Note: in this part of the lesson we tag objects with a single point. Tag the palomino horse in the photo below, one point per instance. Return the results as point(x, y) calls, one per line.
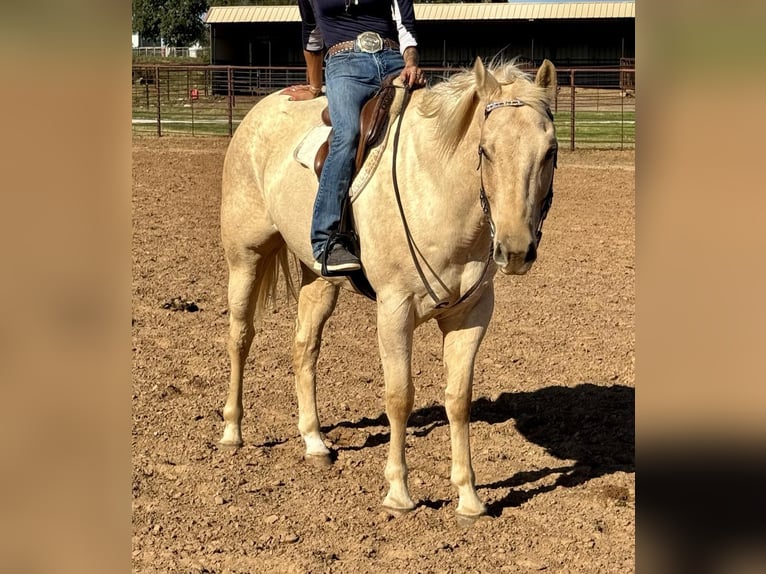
point(474, 172)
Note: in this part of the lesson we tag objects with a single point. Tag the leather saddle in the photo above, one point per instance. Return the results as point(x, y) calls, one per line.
point(373, 122)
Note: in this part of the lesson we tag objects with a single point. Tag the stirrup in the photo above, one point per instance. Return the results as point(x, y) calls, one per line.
point(350, 241)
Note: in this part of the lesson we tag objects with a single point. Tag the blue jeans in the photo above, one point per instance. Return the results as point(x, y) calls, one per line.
point(352, 78)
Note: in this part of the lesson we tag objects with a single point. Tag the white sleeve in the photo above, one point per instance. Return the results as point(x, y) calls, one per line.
point(405, 38)
point(315, 43)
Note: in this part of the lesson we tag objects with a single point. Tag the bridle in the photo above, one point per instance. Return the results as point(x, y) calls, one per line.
point(547, 200)
point(442, 303)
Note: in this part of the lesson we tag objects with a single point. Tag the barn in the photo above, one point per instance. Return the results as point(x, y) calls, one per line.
point(571, 34)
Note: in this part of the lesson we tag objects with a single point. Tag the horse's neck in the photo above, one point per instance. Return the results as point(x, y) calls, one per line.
point(460, 165)
point(454, 183)
point(456, 174)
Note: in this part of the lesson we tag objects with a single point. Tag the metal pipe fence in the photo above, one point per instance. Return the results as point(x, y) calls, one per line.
point(172, 52)
point(594, 107)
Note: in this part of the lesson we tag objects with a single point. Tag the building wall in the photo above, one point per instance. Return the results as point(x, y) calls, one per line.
point(448, 43)
point(565, 43)
point(259, 44)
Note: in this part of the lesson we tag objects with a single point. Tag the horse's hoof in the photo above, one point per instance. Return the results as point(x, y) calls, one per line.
point(232, 436)
point(398, 512)
point(466, 520)
point(318, 460)
point(230, 443)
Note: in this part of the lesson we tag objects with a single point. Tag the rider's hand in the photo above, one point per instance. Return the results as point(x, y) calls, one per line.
point(301, 93)
point(413, 77)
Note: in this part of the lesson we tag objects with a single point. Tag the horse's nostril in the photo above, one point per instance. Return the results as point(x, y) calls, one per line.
point(531, 253)
point(499, 255)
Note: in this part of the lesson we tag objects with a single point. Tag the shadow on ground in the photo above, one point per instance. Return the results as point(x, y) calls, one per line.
point(591, 424)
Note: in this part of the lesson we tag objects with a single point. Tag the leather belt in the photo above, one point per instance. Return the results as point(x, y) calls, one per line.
point(370, 42)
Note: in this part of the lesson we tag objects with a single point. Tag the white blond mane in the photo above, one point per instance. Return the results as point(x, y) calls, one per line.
point(452, 103)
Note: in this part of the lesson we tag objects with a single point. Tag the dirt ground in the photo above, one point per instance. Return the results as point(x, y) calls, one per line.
point(552, 419)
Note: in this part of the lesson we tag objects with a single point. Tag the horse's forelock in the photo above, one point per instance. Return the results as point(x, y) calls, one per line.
point(523, 85)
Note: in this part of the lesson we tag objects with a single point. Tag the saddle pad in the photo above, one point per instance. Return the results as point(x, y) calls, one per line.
point(306, 151)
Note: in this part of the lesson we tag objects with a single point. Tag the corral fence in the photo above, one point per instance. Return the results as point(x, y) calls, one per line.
point(172, 52)
point(594, 107)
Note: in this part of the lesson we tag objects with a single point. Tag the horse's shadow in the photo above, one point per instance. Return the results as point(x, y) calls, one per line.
point(591, 424)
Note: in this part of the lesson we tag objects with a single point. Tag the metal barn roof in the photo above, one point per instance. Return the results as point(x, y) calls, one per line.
point(244, 14)
point(481, 11)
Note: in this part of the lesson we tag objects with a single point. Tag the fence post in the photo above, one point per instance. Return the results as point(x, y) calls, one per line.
point(191, 103)
point(229, 89)
point(159, 100)
point(572, 111)
point(622, 120)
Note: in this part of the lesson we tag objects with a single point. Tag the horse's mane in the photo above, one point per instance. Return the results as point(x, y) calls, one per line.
point(452, 102)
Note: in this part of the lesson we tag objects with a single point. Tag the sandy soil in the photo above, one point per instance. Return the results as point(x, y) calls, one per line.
point(553, 412)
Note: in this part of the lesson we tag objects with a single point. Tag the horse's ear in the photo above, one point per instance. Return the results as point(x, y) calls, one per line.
point(486, 84)
point(546, 76)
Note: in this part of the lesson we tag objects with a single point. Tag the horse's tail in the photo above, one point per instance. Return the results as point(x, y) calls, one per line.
point(268, 279)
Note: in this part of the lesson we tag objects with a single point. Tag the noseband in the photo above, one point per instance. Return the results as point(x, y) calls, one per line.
point(547, 200)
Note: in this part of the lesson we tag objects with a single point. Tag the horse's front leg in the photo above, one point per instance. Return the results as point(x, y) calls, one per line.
point(462, 336)
point(395, 326)
point(316, 303)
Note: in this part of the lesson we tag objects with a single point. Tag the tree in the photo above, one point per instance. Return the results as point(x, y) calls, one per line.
point(177, 22)
point(146, 18)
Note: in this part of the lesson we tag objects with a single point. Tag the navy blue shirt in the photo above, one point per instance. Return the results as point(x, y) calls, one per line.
point(329, 22)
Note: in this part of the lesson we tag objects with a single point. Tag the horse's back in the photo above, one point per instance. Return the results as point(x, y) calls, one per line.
point(264, 189)
point(268, 133)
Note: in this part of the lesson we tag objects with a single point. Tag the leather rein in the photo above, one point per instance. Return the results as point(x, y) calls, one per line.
point(438, 303)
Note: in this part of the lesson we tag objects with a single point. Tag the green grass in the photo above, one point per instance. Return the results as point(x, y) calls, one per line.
point(598, 129)
point(208, 116)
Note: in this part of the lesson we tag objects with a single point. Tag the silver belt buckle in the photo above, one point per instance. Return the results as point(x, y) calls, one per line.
point(369, 42)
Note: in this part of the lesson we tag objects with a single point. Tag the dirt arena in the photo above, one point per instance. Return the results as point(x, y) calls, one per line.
point(552, 419)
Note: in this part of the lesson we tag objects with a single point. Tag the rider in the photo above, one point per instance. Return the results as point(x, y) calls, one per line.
point(361, 52)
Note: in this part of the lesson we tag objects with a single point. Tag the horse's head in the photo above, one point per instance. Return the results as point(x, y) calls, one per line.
point(517, 156)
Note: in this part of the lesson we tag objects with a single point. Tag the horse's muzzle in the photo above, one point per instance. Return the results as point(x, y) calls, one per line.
point(514, 262)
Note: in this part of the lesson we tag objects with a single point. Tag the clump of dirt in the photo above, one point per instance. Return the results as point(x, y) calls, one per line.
point(180, 304)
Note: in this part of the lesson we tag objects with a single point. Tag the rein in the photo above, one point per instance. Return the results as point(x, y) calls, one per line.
point(439, 303)
point(547, 200)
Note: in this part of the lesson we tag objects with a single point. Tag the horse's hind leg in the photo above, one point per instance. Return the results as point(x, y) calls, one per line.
point(249, 271)
point(241, 295)
point(462, 336)
point(316, 303)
